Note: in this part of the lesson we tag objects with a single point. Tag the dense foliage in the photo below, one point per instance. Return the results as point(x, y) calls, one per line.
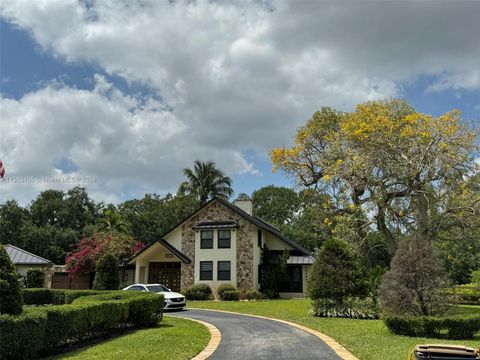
point(228, 292)
point(35, 278)
point(11, 300)
point(336, 273)
point(387, 169)
point(54, 296)
point(450, 327)
point(106, 273)
point(152, 216)
point(56, 220)
point(47, 327)
point(414, 283)
point(199, 292)
point(85, 255)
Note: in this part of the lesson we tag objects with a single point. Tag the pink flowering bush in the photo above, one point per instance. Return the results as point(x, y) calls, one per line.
point(83, 257)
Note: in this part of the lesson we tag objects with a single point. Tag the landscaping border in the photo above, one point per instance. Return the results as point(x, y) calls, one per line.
point(215, 338)
point(340, 350)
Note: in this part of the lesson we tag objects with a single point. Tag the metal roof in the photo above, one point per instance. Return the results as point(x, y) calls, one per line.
point(300, 260)
point(19, 256)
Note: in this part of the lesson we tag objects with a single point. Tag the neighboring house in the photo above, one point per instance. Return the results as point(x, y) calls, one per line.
point(221, 243)
point(24, 260)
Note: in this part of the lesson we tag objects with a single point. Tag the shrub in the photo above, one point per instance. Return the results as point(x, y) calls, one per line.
point(463, 294)
point(43, 328)
point(106, 273)
point(414, 283)
point(199, 292)
point(336, 273)
point(353, 308)
point(224, 287)
point(454, 327)
point(231, 295)
point(21, 335)
point(476, 278)
point(54, 296)
point(35, 278)
point(252, 295)
point(10, 291)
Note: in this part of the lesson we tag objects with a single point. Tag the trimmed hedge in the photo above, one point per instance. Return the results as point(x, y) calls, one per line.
point(199, 292)
point(42, 296)
point(449, 327)
point(224, 287)
point(464, 294)
point(231, 295)
point(41, 329)
point(252, 295)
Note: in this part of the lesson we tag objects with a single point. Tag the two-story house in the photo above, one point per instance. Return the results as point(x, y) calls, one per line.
point(221, 243)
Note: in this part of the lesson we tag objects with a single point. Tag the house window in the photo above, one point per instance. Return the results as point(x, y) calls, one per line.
point(224, 237)
point(292, 280)
point(206, 239)
point(259, 238)
point(223, 270)
point(206, 270)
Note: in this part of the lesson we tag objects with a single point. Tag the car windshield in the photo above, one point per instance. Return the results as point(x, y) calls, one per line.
point(156, 288)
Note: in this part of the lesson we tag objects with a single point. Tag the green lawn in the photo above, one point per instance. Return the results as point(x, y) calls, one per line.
point(174, 339)
point(366, 339)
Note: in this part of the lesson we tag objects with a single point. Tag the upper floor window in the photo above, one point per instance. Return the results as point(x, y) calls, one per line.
point(224, 239)
point(206, 239)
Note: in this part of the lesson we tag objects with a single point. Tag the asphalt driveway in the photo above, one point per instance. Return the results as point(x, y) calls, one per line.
point(245, 337)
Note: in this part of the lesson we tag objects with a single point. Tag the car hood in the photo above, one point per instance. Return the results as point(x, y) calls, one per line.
point(170, 294)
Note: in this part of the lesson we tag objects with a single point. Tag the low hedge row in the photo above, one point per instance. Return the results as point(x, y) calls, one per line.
point(449, 327)
point(41, 329)
point(464, 294)
point(40, 296)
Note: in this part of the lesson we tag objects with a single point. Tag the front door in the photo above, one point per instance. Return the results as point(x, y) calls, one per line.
point(165, 273)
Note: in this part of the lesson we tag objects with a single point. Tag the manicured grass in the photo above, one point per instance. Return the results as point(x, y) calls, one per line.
point(174, 339)
point(366, 339)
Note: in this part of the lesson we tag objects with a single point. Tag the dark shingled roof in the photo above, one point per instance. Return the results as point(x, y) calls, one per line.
point(216, 225)
point(253, 219)
point(22, 257)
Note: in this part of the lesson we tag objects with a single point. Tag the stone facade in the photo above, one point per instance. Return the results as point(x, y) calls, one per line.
point(216, 211)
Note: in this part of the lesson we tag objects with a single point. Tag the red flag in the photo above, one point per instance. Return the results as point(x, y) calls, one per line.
point(2, 169)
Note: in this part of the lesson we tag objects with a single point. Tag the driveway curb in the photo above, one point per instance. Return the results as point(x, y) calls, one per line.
point(215, 337)
point(334, 345)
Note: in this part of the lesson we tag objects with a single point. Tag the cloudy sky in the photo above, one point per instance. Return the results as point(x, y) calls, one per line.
point(131, 92)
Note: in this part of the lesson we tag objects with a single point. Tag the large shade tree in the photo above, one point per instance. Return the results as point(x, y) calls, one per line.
point(387, 166)
point(205, 181)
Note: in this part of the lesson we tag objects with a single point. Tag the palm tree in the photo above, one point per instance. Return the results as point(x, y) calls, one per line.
point(112, 221)
point(206, 181)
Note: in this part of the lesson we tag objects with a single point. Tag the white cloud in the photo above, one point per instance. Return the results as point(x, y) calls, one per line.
point(234, 76)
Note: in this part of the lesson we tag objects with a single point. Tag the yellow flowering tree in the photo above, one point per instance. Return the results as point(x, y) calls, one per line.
point(387, 165)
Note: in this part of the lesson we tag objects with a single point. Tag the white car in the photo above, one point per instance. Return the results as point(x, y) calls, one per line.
point(173, 300)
